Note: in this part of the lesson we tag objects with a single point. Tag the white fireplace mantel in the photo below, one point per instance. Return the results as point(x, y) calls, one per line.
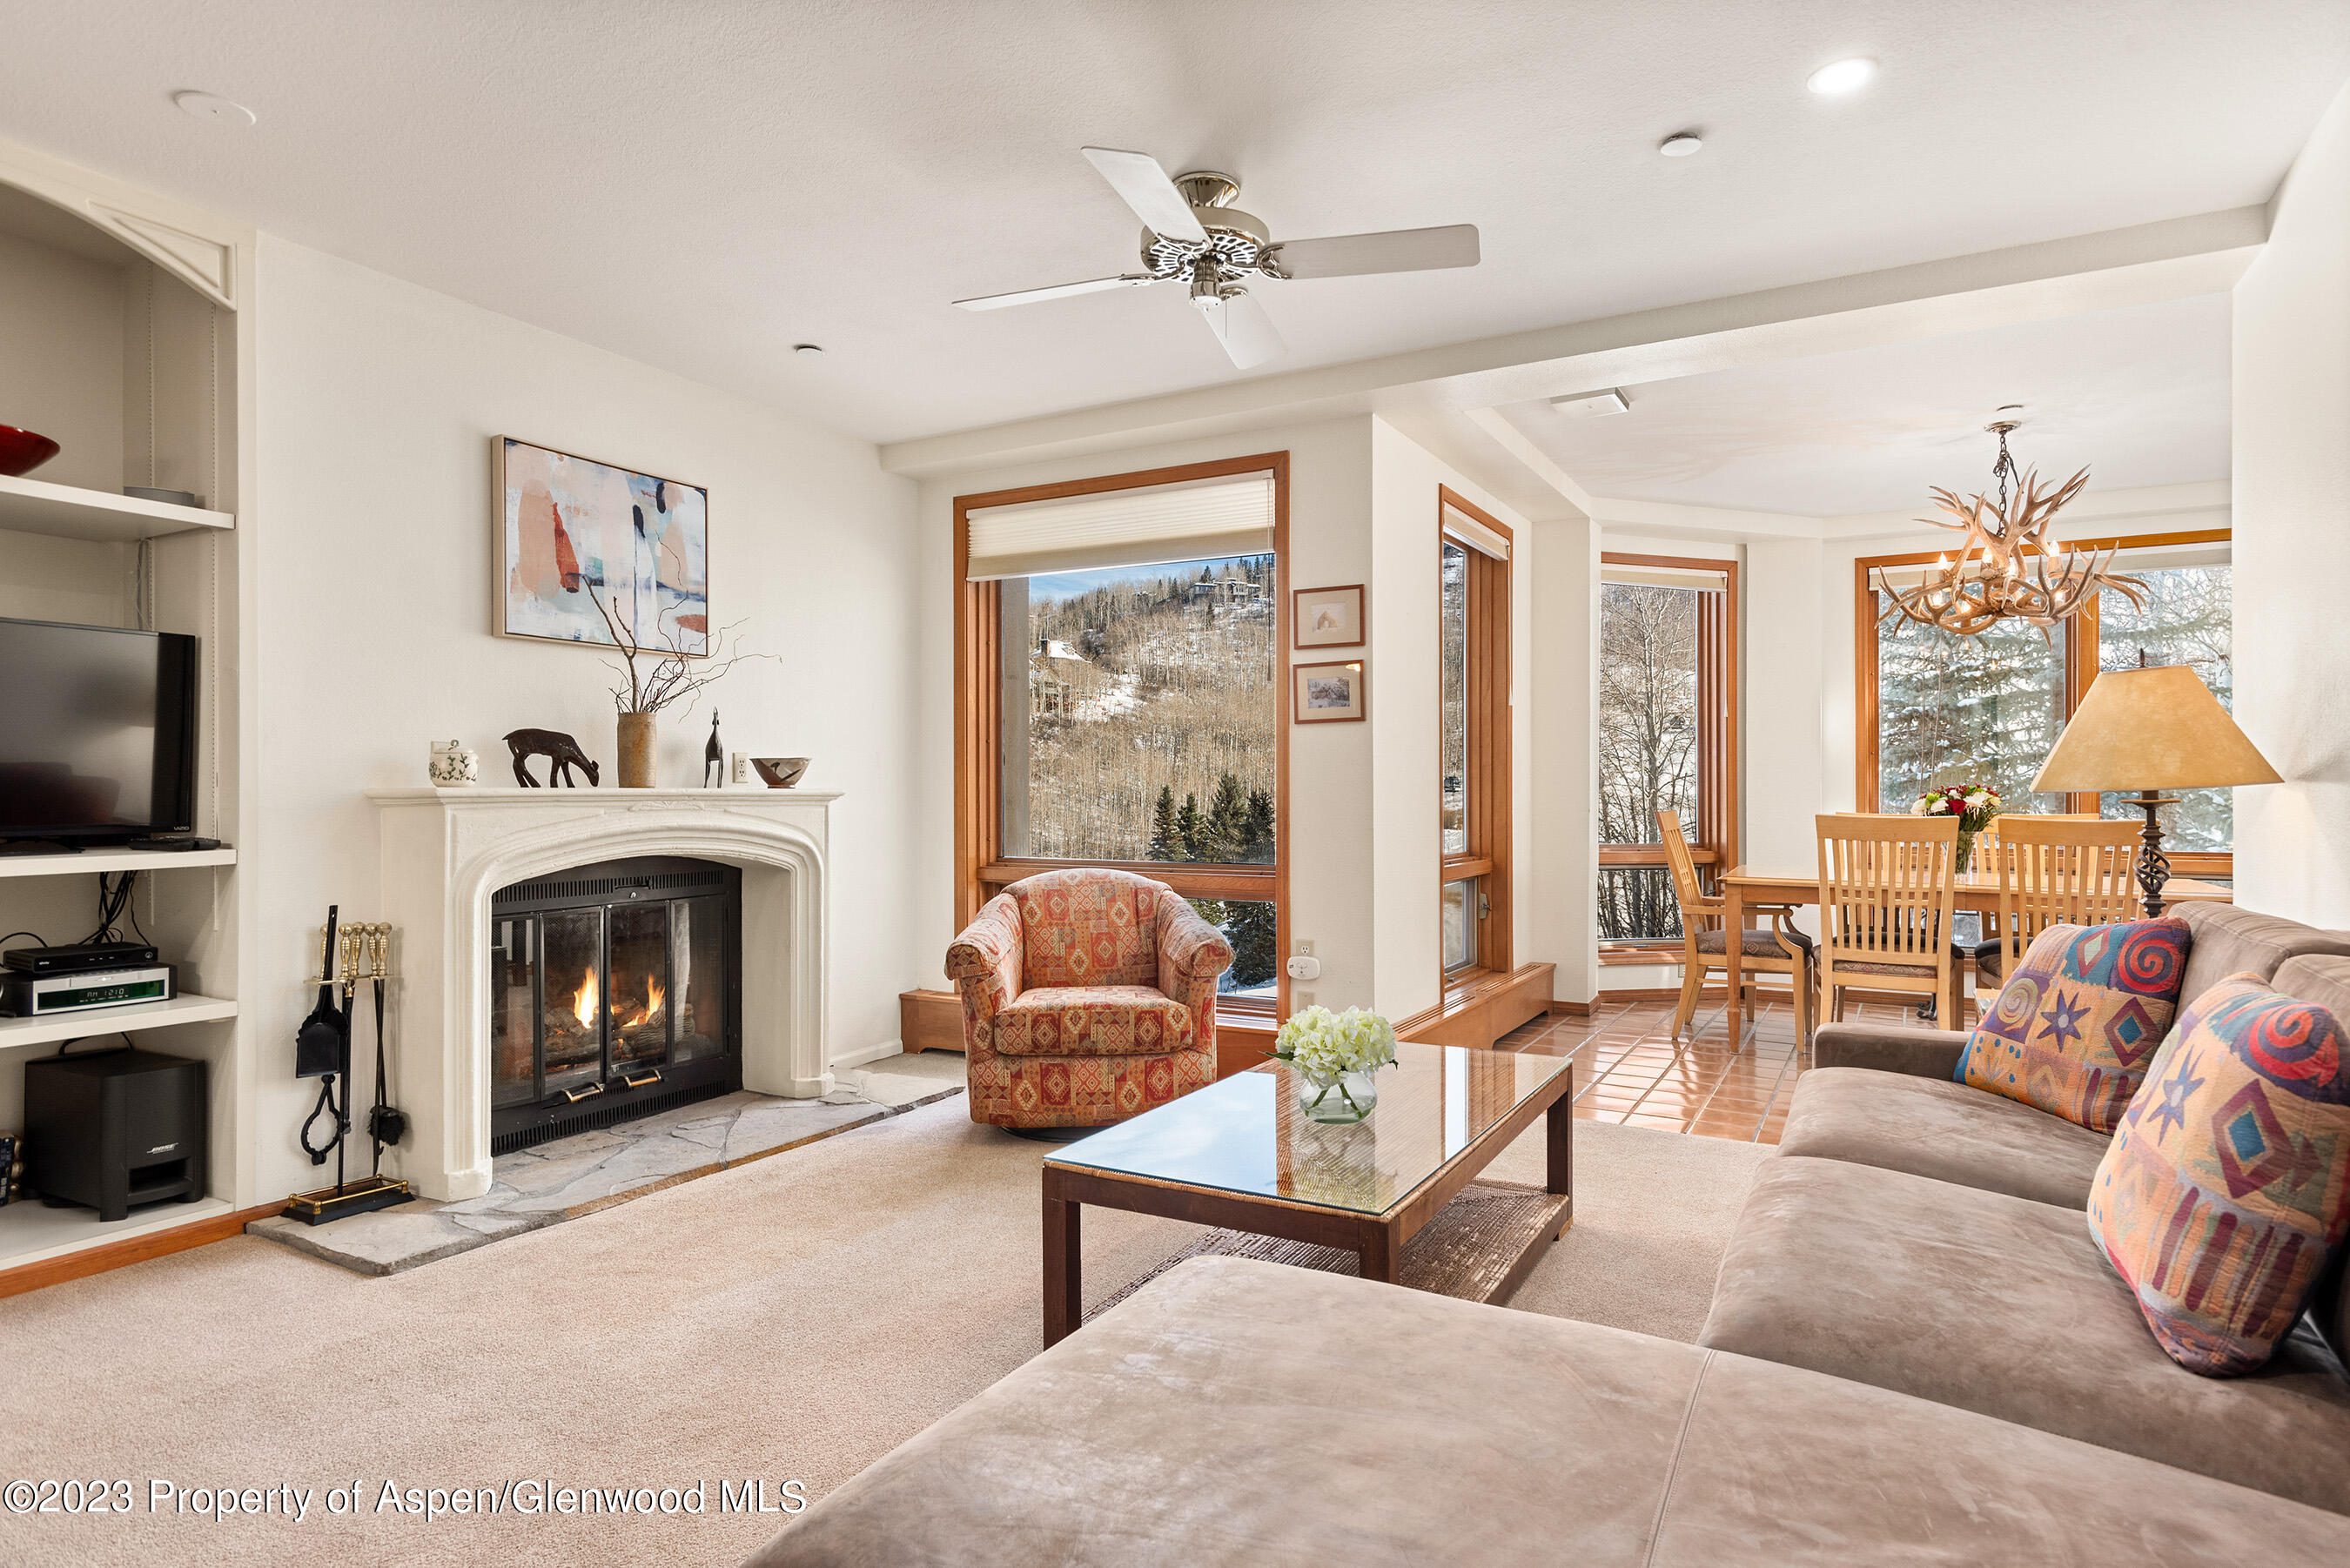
point(446, 851)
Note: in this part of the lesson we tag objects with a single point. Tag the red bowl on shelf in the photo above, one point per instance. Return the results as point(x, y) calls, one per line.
point(21, 451)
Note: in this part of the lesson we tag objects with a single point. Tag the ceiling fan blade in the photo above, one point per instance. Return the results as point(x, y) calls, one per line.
point(1244, 328)
point(1396, 250)
point(1058, 291)
point(1144, 186)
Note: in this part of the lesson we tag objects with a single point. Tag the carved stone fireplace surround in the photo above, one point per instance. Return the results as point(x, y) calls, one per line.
point(445, 851)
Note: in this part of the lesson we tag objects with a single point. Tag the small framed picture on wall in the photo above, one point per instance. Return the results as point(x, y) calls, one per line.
point(1331, 693)
point(1326, 617)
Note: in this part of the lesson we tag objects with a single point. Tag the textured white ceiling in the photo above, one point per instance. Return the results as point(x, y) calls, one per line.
point(2139, 396)
point(701, 183)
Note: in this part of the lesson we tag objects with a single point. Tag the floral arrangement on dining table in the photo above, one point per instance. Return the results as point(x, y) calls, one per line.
point(1335, 1053)
point(1973, 804)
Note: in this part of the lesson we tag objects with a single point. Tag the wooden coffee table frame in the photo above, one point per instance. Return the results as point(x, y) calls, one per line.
point(1378, 1239)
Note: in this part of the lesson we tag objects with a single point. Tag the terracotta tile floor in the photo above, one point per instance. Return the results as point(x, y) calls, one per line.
point(1629, 1068)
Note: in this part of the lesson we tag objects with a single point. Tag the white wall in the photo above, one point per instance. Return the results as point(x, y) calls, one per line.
point(1781, 733)
point(377, 402)
point(1558, 806)
point(2292, 465)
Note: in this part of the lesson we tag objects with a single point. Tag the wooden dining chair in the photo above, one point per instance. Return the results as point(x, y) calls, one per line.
point(2057, 871)
point(1705, 940)
point(1886, 891)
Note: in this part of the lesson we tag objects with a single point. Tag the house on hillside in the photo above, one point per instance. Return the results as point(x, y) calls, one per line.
point(1228, 589)
point(1048, 687)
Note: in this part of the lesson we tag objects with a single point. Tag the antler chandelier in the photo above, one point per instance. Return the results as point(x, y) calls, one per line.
point(2006, 568)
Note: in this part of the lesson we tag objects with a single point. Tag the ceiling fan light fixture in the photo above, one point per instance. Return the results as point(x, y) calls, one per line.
point(1841, 76)
point(1193, 234)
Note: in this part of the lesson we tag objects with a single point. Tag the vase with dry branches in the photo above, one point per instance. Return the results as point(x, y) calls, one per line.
point(669, 681)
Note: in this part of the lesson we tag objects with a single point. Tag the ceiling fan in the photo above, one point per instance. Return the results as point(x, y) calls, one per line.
point(1191, 234)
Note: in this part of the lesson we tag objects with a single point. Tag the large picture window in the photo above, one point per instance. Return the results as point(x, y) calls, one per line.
point(1932, 706)
point(1120, 692)
point(1667, 734)
point(1472, 574)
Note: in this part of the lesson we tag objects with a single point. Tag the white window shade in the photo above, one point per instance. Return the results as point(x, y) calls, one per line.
point(1459, 525)
point(1198, 520)
point(1704, 579)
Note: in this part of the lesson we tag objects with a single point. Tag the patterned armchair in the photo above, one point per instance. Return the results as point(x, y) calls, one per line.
point(1088, 997)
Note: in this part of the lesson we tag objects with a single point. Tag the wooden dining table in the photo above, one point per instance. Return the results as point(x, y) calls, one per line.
point(1744, 887)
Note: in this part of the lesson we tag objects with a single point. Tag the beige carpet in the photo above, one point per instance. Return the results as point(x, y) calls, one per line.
point(788, 1320)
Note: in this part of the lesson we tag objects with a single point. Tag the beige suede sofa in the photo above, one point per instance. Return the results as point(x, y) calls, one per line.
point(1909, 1361)
point(1925, 1237)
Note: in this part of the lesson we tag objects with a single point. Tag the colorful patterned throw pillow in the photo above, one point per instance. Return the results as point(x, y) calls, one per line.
point(2078, 1022)
point(2228, 1186)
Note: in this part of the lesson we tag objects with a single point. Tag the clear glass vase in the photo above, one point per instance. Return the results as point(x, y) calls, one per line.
point(1348, 1097)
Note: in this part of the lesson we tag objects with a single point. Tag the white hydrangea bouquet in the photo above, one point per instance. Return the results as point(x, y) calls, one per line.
point(1334, 1055)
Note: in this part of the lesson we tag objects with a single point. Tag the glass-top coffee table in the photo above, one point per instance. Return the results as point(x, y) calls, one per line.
point(1239, 1155)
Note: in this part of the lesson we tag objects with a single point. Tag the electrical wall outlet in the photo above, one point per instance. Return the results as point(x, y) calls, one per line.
point(1302, 948)
point(1306, 969)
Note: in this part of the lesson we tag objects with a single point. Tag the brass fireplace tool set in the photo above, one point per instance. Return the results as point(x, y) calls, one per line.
point(349, 955)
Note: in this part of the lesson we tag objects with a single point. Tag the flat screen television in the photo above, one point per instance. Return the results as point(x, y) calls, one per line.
point(97, 732)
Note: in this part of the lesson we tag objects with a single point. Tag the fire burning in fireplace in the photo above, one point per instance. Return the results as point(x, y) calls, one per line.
point(616, 989)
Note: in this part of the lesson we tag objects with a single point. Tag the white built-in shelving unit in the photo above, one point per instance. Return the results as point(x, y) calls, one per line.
point(69, 512)
point(127, 328)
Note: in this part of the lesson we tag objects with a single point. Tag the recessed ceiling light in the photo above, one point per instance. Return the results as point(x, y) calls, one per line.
point(808, 351)
point(212, 107)
point(1591, 405)
point(1680, 144)
point(1843, 76)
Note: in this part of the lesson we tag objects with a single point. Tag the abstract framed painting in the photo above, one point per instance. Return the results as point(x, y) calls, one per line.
point(572, 531)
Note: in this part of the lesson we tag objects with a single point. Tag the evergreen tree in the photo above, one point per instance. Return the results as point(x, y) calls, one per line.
point(1250, 926)
point(1189, 828)
point(1164, 843)
point(1223, 839)
point(1256, 837)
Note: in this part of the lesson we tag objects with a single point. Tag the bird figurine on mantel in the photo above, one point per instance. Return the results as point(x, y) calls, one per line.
point(713, 757)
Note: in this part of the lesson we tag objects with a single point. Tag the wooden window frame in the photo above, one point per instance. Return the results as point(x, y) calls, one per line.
point(2080, 656)
point(982, 869)
point(1487, 795)
point(1717, 818)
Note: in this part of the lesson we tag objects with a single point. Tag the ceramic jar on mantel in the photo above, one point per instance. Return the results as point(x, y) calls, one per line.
point(453, 765)
point(636, 751)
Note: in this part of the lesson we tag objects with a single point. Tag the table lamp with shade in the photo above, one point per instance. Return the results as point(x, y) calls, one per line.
point(2142, 731)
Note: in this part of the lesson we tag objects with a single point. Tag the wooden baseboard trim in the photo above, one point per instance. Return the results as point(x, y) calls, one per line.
point(122, 1254)
point(1558, 1008)
point(1482, 1010)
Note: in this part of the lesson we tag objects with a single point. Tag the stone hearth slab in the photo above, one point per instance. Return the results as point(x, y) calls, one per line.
point(578, 1175)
